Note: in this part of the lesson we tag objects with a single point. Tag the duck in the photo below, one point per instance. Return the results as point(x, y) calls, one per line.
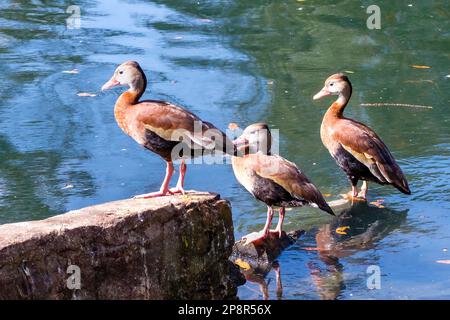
point(170, 131)
point(356, 148)
point(271, 179)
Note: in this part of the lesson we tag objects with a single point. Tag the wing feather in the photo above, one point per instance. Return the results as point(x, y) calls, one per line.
point(290, 177)
point(368, 148)
point(174, 123)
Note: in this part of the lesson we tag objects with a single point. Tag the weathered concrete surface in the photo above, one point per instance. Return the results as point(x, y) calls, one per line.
point(174, 247)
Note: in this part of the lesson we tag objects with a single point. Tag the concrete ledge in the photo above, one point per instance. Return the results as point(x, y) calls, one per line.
point(174, 247)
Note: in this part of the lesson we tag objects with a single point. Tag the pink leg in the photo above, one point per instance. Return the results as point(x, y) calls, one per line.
point(255, 236)
point(180, 184)
point(164, 190)
point(364, 188)
point(276, 268)
point(278, 230)
point(354, 191)
point(353, 195)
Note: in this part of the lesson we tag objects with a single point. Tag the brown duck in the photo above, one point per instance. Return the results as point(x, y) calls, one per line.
point(357, 149)
point(166, 129)
point(272, 179)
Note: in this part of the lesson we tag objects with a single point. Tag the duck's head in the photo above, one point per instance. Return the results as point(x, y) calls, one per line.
point(255, 138)
point(338, 84)
point(127, 74)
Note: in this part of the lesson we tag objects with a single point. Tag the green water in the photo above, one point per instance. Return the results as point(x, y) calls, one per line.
point(240, 61)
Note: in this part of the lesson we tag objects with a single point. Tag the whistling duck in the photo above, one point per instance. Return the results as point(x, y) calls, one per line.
point(164, 128)
point(357, 149)
point(271, 178)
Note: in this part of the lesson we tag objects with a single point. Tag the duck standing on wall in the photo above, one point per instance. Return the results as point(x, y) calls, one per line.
point(357, 149)
point(164, 128)
point(272, 179)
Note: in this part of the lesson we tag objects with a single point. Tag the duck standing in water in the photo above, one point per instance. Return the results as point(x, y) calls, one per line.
point(164, 128)
point(272, 179)
point(357, 149)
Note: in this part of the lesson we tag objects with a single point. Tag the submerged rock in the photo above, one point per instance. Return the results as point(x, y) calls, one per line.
point(174, 247)
point(259, 258)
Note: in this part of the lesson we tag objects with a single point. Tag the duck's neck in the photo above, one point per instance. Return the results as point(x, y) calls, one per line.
point(128, 99)
point(134, 93)
point(336, 110)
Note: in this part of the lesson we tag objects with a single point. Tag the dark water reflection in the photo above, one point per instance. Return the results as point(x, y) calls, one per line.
point(239, 61)
point(362, 228)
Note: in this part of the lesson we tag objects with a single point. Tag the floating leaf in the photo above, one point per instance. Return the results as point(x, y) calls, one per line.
point(327, 195)
point(73, 71)
point(242, 264)
point(233, 126)
point(86, 94)
point(443, 261)
point(415, 66)
point(341, 230)
point(348, 71)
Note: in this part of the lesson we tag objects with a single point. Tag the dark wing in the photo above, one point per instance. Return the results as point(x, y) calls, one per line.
point(368, 148)
point(287, 175)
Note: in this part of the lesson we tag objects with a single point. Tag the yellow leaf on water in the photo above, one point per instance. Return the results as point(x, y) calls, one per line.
point(326, 195)
point(415, 66)
point(341, 230)
point(241, 263)
point(348, 71)
point(443, 261)
point(233, 126)
point(86, 94)
point(378, 203)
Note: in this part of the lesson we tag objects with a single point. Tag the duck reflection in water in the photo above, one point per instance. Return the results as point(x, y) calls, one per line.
point(362, 227)
point(260, 279)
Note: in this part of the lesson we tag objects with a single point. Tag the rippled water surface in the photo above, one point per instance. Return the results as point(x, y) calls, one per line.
point(240, 61)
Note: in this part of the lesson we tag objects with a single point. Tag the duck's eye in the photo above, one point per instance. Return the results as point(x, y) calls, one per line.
point(331, 84)
point(120, 72)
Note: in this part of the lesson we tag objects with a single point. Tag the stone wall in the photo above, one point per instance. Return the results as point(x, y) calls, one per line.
point(174, 247)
